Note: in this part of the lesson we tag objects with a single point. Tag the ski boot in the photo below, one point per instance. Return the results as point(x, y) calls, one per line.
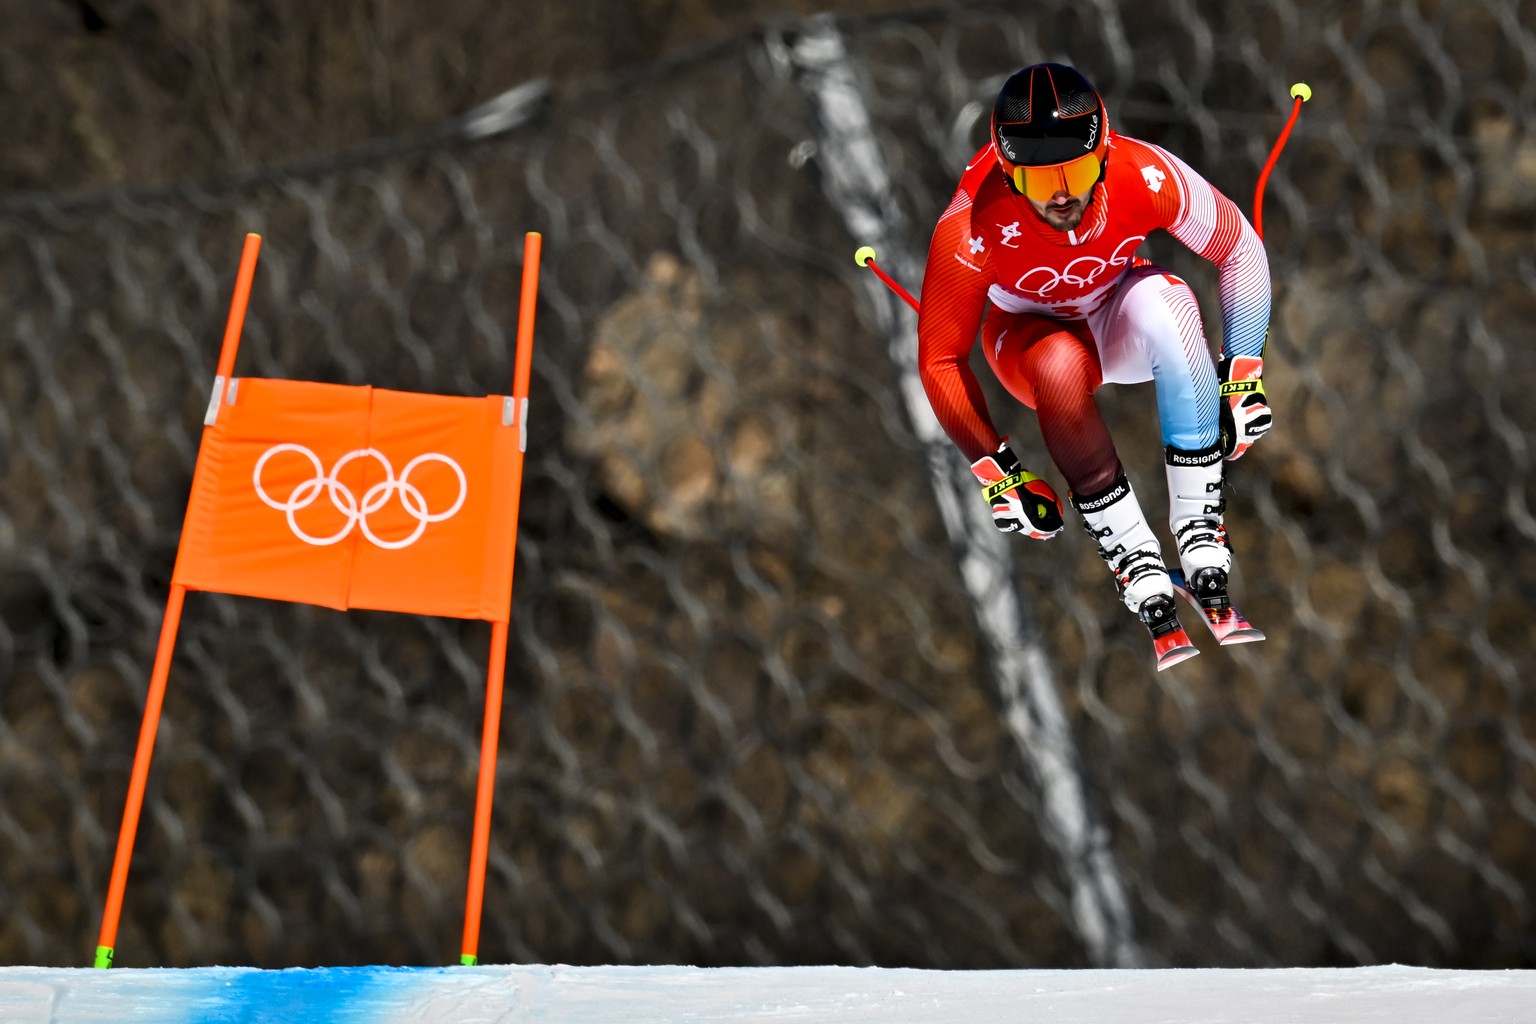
point(1130, 549)
point(1196, 508)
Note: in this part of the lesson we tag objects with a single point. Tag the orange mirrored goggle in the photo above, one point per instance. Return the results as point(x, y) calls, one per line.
point(1074, 177)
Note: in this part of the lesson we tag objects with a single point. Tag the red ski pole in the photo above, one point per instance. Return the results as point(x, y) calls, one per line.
point(865, 257)
point(1300, 92)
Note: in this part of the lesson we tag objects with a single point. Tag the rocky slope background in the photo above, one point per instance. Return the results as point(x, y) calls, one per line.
point(751, 718)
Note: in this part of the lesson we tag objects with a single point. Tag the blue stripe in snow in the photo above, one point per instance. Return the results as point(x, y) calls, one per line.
point(332, 995)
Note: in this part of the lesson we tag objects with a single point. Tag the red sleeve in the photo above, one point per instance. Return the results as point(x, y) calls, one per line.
point(953, 301)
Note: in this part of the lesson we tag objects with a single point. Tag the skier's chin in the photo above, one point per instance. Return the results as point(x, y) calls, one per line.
point(1065, 217)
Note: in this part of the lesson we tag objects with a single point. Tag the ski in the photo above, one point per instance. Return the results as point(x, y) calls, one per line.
point(1172, 648)
point(1226, 623)
point(1170, 644)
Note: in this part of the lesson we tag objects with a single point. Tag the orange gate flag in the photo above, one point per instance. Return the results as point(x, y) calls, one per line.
point(350, 497)
point(355, 497)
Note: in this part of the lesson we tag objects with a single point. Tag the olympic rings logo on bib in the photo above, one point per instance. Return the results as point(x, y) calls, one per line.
point(1080, 273)
point(375, 498)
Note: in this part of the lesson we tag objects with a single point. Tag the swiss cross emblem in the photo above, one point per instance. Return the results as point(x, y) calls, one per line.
point(1154, 178)
point(976, 245)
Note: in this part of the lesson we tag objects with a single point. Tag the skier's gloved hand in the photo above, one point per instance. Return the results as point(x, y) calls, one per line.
point(1245, 415)
point(1021, 501)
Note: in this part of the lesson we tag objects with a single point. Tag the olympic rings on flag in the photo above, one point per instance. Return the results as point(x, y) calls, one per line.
point(374, 499)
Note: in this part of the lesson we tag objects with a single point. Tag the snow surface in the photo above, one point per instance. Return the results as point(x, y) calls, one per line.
point(789, 995)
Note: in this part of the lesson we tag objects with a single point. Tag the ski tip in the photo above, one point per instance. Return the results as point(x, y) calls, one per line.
point(1174, 656)
point(1226, 624)
point(1173, 648)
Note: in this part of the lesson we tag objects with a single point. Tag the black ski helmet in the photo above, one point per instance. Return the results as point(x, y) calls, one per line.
point(1047, 115)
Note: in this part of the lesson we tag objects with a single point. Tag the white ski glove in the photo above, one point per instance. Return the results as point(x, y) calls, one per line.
point(1245, 415)
point(1021, 501)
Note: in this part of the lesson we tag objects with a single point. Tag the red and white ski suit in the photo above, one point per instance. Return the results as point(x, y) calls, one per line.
point(1067, 311)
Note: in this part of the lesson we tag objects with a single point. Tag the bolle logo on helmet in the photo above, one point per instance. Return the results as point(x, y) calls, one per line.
point(374, 499)
point(1093, 133)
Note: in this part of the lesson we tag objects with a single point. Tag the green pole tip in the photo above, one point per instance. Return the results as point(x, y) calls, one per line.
point(1303, 90)
point(864, 254)
point(468, 959)
point(103, 957)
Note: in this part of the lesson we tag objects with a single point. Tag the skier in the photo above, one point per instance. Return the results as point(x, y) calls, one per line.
point(1041, 238)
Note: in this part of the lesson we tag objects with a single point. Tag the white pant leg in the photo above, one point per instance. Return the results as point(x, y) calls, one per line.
point(1150, 329)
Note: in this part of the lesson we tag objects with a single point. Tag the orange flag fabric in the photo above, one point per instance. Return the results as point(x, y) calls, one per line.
point(356, 497)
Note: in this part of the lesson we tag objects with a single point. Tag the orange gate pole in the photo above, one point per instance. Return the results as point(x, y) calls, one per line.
point(485, 790)
point(106, 943)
